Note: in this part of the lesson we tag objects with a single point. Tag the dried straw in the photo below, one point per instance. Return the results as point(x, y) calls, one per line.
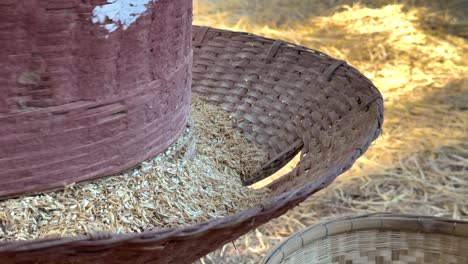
point(416, 54)
point(195, 180)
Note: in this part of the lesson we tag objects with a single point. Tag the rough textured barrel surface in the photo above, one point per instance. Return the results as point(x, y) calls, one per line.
point(89, 88)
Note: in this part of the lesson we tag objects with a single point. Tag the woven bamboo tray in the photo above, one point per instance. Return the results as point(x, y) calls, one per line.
point(287, 98)
point(376, 238)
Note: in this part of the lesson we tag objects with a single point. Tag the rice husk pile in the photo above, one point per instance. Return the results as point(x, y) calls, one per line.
point(195, 180)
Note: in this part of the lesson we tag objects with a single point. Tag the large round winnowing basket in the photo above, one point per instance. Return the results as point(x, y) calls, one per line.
point(287, 98)
point(376, 238)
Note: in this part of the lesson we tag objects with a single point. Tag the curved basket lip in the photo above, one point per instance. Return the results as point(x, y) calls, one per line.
point(375, 221)
point(163, 234)
point(170, 234)
point(251, 217)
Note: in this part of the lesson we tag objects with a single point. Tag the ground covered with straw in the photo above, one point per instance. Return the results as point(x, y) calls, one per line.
point(415, 52)
point(195, 180)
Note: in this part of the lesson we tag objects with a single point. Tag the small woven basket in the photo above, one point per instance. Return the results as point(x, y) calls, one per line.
point(377, 239)
point(287, 98)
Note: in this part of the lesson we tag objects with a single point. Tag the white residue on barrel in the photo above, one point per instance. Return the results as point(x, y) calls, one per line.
point(122, 13)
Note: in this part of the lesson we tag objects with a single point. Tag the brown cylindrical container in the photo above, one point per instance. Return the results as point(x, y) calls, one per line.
point(89, 88)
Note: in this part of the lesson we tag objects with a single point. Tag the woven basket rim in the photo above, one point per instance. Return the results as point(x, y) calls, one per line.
point(407, 223)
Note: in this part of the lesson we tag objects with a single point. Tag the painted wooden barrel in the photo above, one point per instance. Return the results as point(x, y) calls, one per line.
point(89, 88)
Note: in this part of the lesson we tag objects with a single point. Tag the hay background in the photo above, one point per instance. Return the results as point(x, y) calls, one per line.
point(415, 52)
